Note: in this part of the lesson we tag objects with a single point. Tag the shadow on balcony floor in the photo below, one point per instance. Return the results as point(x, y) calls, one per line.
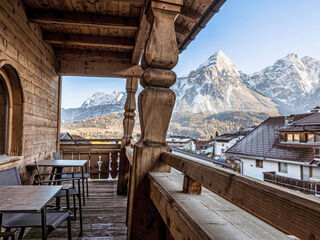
point(104, 216)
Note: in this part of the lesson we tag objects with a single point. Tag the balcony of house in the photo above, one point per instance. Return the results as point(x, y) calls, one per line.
point(308, 187)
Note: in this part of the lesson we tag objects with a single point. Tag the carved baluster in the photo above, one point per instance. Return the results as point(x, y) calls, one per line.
point(107, 165)
point(114, 165)
point(128, 124)
point(155, 105)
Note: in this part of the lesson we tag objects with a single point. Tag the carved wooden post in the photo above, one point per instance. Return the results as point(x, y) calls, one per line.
point(155, 105)
point(128, 124)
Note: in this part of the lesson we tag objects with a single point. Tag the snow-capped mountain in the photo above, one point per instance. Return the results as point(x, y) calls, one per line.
point(290, 85)
point(101, 98)
point(292, 82)
point(218, 86)
point(95, 106)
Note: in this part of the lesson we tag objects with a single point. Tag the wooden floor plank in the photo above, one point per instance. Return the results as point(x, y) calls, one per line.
point(104, 216)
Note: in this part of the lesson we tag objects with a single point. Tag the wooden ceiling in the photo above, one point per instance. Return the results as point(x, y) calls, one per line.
point(116, 30)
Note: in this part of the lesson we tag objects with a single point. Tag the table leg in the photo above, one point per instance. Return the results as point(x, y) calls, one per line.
point(44, 223)
point(0, 222)
point(82, 179)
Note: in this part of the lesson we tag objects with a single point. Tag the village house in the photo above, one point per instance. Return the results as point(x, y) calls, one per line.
point(182, 142)
point(223, 142)
point(205, 147)
point(287, 147)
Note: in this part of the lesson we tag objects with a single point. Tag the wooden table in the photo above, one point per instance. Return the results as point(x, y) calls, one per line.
point(58, 165)
point(27, 199)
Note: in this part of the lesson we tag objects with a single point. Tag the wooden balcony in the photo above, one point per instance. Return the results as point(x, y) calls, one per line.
point(169, 196)
point(307, 187)
point(196, 199)
point(102, 155)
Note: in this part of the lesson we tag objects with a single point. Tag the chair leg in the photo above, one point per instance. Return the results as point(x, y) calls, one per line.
point(80, 215)
point(74, 208)
point(87, 183)
point(69, 217)
point(21, 233)
point(7, 230)
point(69, 228)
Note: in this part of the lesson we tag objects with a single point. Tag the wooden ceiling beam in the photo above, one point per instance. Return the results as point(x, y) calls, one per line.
point(189, 15)
point(88, 40)
point(141, 38)
point(82, 19)
point(87, 66)
point(92, 54)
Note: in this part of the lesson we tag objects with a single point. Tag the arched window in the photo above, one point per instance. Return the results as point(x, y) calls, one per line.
point(11, 111)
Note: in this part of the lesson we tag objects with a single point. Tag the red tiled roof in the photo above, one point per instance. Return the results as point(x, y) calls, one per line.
point(228, 136)
point(305, 128)
point(264, 142)
point(313, 119)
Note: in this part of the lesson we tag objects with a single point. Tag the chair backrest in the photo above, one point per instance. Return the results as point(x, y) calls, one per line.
point(10, 177)
point(57, 155)
point(37, 177)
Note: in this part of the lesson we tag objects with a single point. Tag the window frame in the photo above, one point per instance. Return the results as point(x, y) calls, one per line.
point(259, 163)
point(281, 170)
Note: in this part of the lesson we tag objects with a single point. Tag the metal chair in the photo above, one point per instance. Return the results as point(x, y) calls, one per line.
point(11, 177)
point(86, 176)
point(39, 179)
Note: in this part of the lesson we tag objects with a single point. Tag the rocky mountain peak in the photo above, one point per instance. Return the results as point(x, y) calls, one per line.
point(103, 98)
point(217, 86)
point(220, 62)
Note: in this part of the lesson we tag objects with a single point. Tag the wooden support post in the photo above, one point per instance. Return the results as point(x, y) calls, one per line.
point(191, 186)
point(155, 105)
point(59, 113)
point(128, 124)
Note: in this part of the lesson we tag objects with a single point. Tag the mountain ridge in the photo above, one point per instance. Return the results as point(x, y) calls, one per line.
point(217, 86)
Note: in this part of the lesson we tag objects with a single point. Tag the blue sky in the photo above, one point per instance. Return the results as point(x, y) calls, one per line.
point(253, 33)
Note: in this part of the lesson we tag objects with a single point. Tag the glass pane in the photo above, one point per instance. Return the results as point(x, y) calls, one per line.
point(290, 137)
point(284, 167)
point(310, 137)
point(296, 137)
point(305, 171)
point(3, 115)
point(317, 137)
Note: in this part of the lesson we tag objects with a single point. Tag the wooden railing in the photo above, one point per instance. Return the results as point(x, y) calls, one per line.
point(307, 187)
point(102, 155)
point(291, 212)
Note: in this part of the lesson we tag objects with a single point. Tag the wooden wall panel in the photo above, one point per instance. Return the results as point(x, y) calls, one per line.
point(22, 47)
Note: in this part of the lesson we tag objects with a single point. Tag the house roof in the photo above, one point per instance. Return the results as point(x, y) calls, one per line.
point(311, 123)
point(313, 119)
point(178, 140)
point(229, 136)
point(264, 142)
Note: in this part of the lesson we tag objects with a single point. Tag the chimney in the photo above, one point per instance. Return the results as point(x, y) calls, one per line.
point(288, 120)
point(315, 110)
